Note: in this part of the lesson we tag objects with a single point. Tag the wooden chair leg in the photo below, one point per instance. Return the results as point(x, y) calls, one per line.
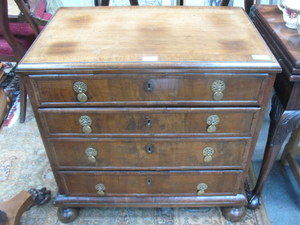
point(23, 100)
point(286, 151)
point(104, 3)
point(291, 146)
point(291, 151)
point(224, 2)
point(134, 2)
point(5, 104)
point(248, 4)
point(12, 210)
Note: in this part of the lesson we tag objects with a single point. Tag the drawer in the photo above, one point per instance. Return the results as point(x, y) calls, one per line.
point(150, 183)
point(159, 89)
point(149, 121)
point(150, 154)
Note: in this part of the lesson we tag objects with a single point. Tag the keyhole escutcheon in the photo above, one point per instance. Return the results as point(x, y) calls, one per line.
point(149, 148)
point(149, 86)
point(148, 122)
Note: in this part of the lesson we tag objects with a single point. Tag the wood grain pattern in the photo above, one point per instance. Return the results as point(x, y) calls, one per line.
point(176, 121)
point(165, 154)
point(151, 201)
point(188, 36)
point(12, 209)
point(180, 51)
point(15, 207)
point(150, 183)
point(130, 89)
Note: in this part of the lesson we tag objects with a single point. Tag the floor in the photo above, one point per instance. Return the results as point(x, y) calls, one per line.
point(282, 196)
point(281, 193)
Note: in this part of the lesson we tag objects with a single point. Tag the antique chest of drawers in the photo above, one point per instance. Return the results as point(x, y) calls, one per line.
point(149, 106)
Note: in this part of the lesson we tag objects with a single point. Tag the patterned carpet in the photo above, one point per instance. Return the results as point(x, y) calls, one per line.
point(23, 165)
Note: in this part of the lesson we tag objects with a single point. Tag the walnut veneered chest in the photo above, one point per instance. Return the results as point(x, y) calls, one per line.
point(149, 106)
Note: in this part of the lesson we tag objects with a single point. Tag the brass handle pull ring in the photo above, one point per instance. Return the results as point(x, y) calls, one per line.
point(212, 122)
point(80, 88)
point(208, 153)
point(100, 188)
point(201, 188)
point(91, 153)
point(218, 87)
point(86, 122)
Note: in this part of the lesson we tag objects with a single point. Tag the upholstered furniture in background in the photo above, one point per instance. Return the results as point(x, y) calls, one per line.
point(15, 39)
point(34, 11)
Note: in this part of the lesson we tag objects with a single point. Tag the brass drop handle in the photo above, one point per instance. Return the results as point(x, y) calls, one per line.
point(91, 153)
point(201, 188)
point(80, 88)
point(208, 153)
point(100, 188)
point(86, 122)
point(212, 122)
point(218, 87)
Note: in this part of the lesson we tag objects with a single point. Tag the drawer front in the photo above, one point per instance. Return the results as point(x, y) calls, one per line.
point(148, 89)
point(150, 183)
point(154, 154)
point(149, 121)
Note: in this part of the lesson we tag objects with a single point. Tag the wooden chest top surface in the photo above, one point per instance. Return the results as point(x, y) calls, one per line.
point(149, 37)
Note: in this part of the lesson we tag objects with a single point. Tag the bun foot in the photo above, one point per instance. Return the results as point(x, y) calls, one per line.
point(67, 215)
point(233, 214)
